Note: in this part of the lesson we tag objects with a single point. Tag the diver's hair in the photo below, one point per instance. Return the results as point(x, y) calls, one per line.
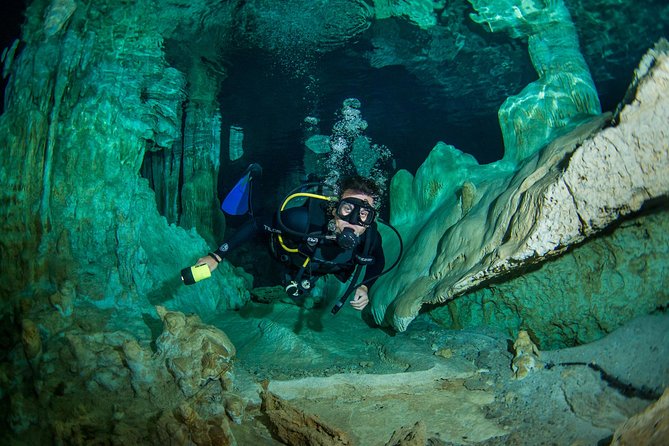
point(362, 185)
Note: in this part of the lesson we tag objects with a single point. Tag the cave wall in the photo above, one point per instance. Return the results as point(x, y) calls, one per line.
point(90, 92)
point(577, 297)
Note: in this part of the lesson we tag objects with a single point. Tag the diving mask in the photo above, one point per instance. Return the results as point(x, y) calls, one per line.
point(356, 211)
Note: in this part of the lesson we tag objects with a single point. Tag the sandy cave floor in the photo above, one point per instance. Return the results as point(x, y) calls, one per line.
point(370, 382)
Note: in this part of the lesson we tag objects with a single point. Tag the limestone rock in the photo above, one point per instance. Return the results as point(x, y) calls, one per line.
point(590, 398)
point(142, 368)
point(409, 436)
point(576, 187)
point(649, 428)
point(205, 432)
point(527, 356)
point(467, 196)
point(57, 16)
point(32, 343)
point(564, 91)
point(185, 424)
point(99, 357)
point(235, 145)
point(194, 353)
point(63, 299)
point(295, 427)
point(234, 407)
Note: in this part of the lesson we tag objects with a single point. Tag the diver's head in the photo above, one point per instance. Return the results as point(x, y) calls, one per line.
point(355, 211)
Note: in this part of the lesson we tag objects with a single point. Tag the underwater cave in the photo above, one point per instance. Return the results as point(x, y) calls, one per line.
point(517, 165)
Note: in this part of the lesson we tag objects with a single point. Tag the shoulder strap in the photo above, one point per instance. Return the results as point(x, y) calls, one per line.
point(358, 269)
point(371, 235)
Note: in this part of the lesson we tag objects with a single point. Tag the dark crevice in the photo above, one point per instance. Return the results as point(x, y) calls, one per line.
point(626, 389)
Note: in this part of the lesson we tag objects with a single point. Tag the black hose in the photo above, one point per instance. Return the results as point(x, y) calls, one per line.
point(399, 256)
point(351, 287)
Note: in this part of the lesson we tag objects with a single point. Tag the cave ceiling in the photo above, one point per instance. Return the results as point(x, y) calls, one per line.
point(454, 74)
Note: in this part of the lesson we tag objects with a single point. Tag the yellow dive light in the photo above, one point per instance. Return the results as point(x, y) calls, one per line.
point(194, 274)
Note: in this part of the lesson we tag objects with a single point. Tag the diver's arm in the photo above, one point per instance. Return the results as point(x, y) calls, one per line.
point(246, 232)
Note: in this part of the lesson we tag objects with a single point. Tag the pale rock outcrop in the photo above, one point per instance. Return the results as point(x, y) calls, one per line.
point(32, 343)
point(194, 353)
point(650, 427)
point(57, 16)
point(526, 357)
point(63, 299)
point(574, 188)
point(295, 427)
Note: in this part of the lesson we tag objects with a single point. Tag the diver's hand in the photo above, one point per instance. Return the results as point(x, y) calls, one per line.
point(361, 299)
point(209, 261)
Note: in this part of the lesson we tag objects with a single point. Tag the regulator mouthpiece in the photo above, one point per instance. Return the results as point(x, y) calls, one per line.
point(194, 274)
point(348, 239)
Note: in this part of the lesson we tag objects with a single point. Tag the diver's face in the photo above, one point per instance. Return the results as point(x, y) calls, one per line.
point(342, 224)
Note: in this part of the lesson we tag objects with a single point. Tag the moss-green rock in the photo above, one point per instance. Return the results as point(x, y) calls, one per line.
point(581, 296)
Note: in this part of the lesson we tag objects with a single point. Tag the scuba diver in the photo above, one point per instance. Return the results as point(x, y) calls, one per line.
point(321, 235)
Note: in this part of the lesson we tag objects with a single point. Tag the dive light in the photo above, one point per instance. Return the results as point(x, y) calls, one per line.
point(195, 273)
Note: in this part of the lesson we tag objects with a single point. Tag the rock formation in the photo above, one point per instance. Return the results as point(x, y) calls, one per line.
point(91, 383)
point(576, 187)
point(526, 357)
point(294, 427)
point(564, 92)
point(651, 427)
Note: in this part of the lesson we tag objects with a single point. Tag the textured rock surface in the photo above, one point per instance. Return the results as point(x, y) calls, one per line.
point(294, 427)
point(444, 395)
point(651, 427)
point(101, 92)
point(77, 380)
point(577, 297)
point(564, 90)
point(573, 189)
point(194, 353)
point(76, 208)
point(415, 435)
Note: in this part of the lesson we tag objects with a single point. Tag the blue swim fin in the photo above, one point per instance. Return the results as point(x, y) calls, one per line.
point(238, 200)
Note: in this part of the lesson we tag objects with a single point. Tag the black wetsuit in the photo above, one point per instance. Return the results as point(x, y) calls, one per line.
point(326, 256)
